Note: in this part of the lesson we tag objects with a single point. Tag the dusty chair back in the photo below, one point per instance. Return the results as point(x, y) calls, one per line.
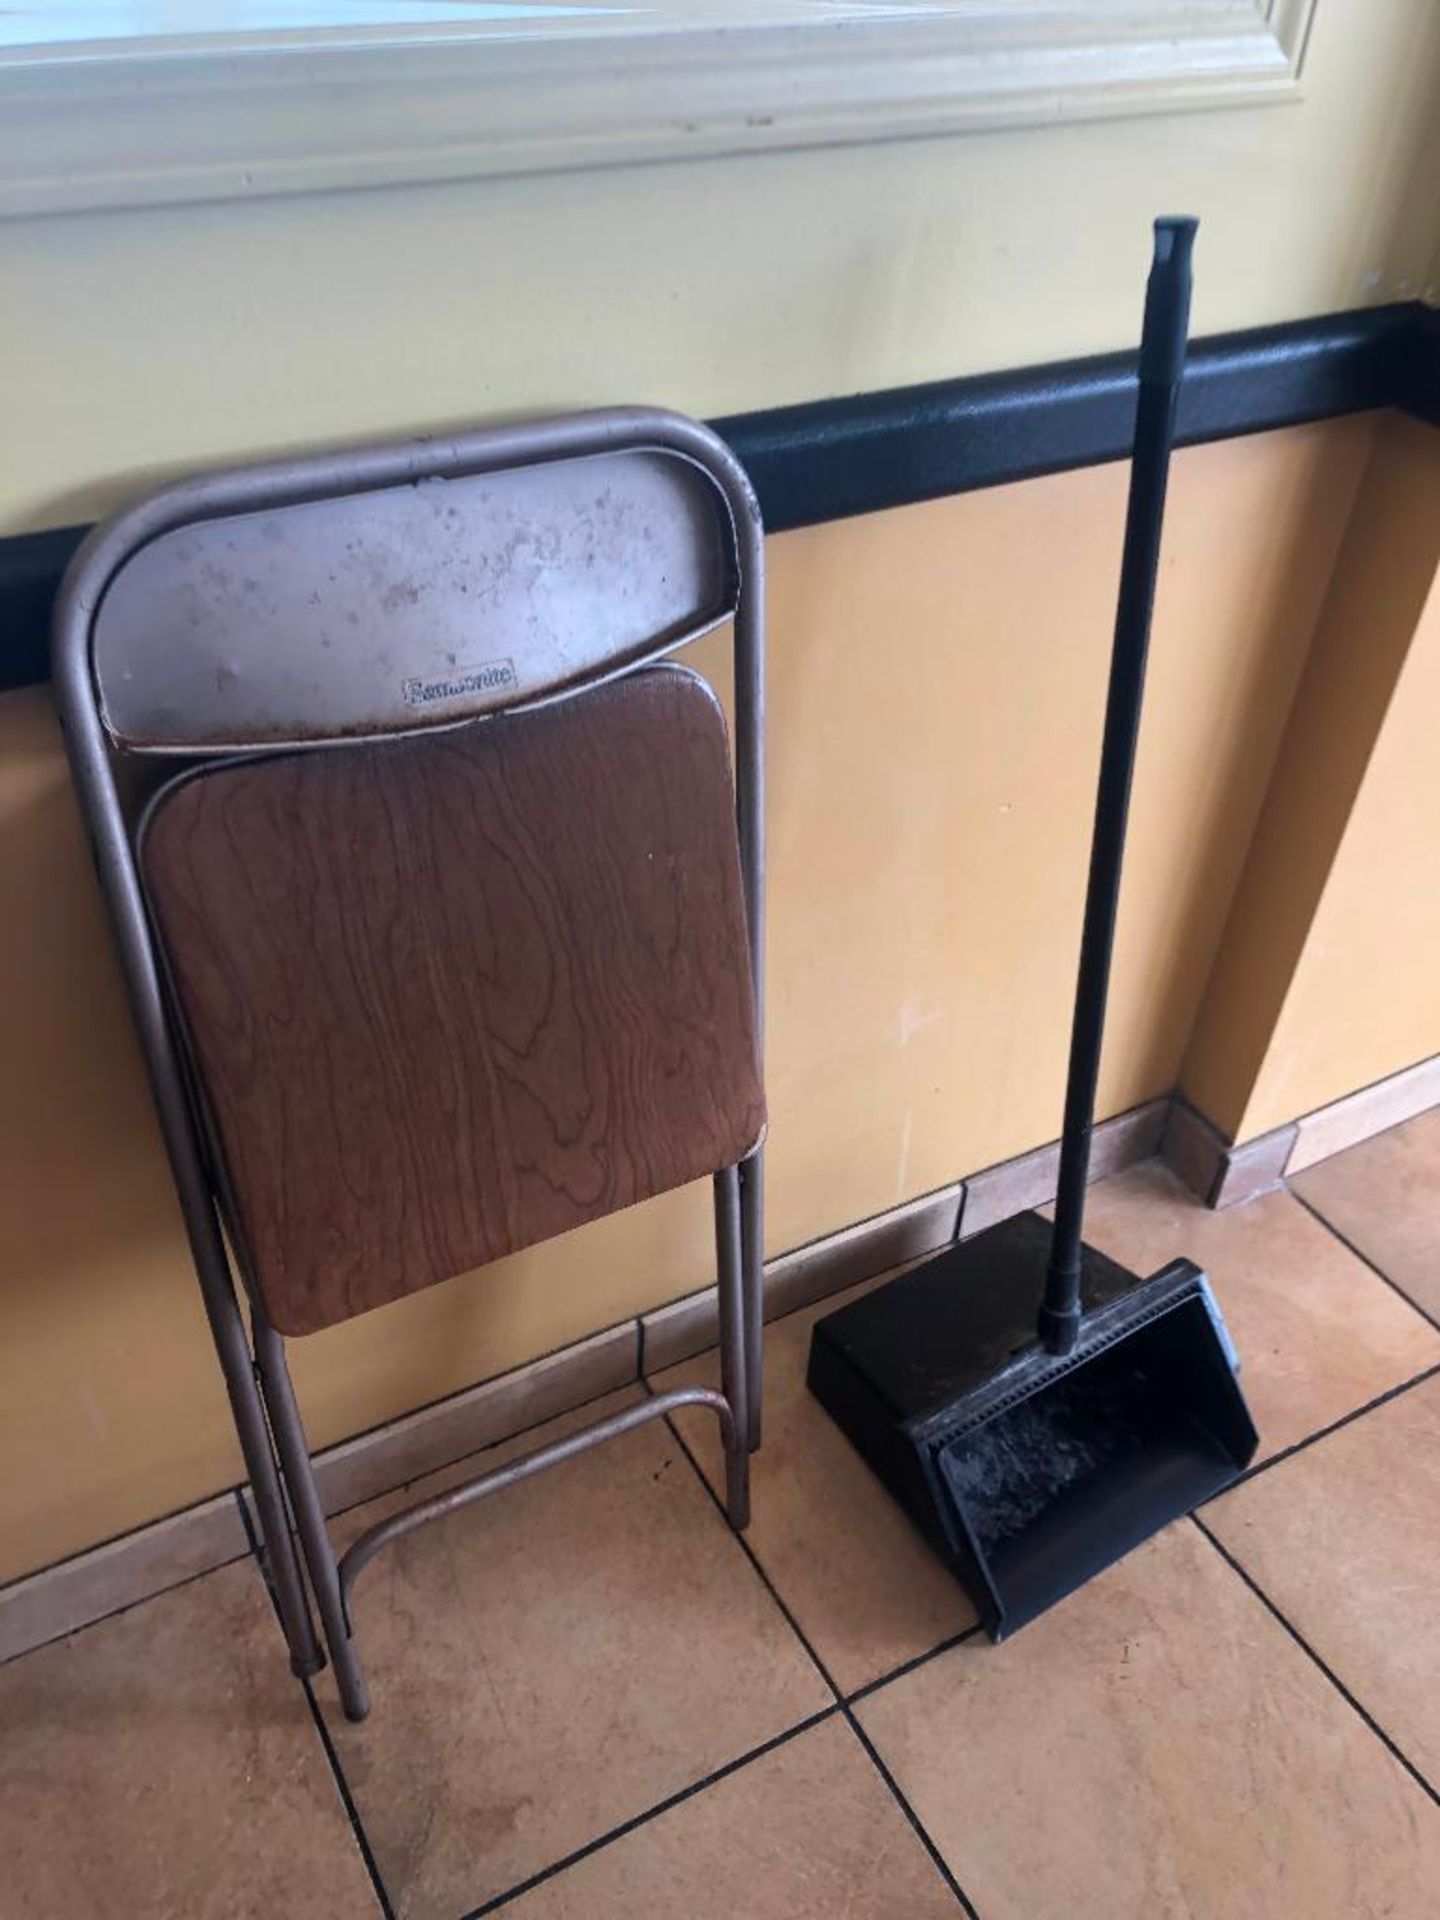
point(438, 906)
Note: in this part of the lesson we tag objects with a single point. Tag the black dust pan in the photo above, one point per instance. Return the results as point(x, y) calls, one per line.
point(1036, 1408)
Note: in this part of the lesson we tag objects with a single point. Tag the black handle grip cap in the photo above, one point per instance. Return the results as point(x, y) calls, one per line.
point(1167, 302)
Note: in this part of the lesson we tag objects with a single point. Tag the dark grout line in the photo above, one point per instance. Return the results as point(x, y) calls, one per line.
point(327, 1744)
point(352, 1812)
point(749, 1552)
point(936, 1857)
point(910, 1666)
point(1364, 1258)
point(871, 1686)
point(651, 1813)
point(1324, 1433)
point(1329, 1672)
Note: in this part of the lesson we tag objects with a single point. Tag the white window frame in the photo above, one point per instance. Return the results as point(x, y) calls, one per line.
point(145, 121)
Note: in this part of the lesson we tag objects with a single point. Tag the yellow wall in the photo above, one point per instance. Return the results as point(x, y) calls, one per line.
point(144, 342)
point(1328, 977)
point(936, 680)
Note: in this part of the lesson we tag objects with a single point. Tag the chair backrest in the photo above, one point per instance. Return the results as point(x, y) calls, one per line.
point(486, 967)
point(423, 603)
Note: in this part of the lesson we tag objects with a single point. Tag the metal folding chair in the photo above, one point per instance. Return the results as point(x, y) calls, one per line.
point(438, 906)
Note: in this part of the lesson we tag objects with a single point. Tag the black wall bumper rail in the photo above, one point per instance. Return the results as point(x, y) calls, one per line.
point(829, 459)
point(832, 458)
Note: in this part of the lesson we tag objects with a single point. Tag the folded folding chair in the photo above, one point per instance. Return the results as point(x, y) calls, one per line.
point(438, 905)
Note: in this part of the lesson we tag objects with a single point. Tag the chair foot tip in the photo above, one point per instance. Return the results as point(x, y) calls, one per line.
point(355, 1699)
point(737, 1511)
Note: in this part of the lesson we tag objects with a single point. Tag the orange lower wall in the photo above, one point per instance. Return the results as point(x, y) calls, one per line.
point(936, 683)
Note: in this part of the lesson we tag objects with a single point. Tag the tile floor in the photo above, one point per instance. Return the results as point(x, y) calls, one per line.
point(591, 1700)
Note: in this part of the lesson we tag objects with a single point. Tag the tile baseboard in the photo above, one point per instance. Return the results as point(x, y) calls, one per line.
point(1223, 1174)
point(1029, 1180)
point(684, 1327)
point(418, 1443)
point(1360, 1116)
point(1216, 1171)
point(99, 1581)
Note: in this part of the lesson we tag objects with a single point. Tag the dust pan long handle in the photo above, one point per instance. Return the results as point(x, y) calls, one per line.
point(1162, 359)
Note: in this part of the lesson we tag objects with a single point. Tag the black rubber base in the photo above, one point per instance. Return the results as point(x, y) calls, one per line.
point(1031, 1472)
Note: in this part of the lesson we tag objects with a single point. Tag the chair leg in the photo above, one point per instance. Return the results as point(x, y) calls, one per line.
point(304, 1494)
point(278, 1547)
point(248, 1413)
point(752, 1261)
point(733, 1358)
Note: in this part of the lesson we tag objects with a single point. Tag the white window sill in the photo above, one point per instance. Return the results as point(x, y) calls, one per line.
point(102, 106)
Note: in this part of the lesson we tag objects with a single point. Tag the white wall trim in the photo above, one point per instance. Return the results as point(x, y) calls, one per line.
point(220, 116)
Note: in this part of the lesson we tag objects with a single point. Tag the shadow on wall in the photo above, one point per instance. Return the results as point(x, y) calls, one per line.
point(1291, 522)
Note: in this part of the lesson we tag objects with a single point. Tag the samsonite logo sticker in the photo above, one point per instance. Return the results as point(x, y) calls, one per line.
point(492, 676)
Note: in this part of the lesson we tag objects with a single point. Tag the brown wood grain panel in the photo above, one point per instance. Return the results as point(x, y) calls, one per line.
point(454, 994)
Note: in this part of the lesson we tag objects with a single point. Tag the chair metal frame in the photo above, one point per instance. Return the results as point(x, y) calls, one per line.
point(276, 1453)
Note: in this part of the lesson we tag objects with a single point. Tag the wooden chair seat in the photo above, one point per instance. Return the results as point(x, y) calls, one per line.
point(452, 994)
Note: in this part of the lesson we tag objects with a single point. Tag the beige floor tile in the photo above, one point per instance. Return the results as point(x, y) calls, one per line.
point(866, 1590)
point(552, 1662)
point(808, 1832)
point(1318, 1332)
point(1345, 1538)
point(1157, 1746)
point(165, 1764)
point(1384, 1196)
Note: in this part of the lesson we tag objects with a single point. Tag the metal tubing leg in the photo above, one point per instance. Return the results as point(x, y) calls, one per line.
point(752, 1265)
point(278, 1545)
point(733, 1355)
point(310, 1518)
point(238, 1369)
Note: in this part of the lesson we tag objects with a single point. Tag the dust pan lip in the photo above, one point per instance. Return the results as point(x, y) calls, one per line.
point(1014, 1585)
point(1032, 1370)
